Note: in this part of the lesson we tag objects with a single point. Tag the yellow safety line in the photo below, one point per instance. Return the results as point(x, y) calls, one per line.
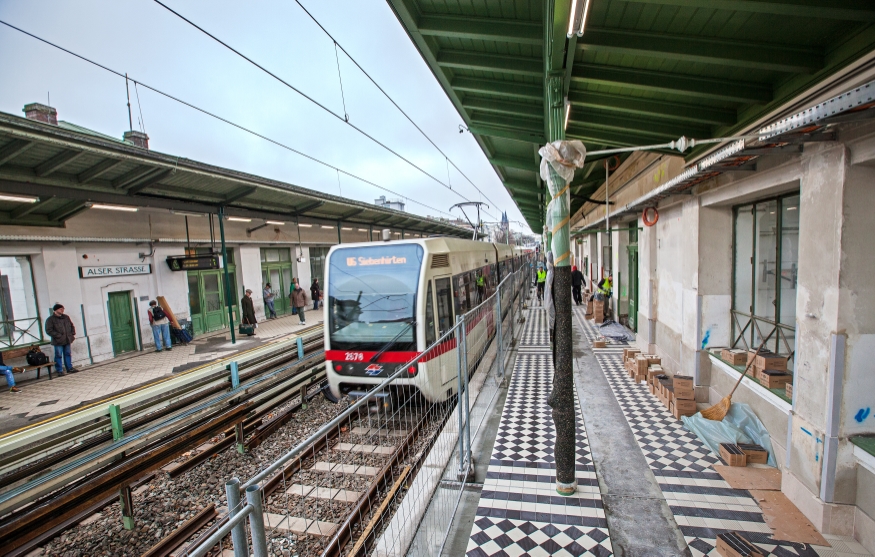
point(146, 386)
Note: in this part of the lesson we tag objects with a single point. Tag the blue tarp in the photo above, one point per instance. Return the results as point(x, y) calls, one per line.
point(740, 425)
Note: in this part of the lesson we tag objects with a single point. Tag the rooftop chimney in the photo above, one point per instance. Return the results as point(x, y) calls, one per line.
point(139, 139)
point(41, 113)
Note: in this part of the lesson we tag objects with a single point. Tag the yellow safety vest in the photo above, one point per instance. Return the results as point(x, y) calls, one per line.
point(481, 281)
point(542, 276)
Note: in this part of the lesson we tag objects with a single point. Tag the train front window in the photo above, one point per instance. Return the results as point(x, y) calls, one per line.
point(372, 296)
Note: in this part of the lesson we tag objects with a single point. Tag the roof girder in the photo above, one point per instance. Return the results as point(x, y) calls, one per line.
point(676, 84)
point(637, 105)
point(687, 48)
point(845, 10)
point(643, 127)
point(482, 128)
point(505, 107)
point(514, 162)
point(497, 87)
point(481, 28)
point(490, 62)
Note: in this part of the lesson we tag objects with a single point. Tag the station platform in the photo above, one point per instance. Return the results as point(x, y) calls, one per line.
point(44, 398)
point(646, 485)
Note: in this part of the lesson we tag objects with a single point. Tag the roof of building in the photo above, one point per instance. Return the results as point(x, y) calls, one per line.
point(70, 167)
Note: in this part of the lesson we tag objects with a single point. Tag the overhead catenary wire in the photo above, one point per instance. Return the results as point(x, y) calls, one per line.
point(395, 104)
point(225, 120)
point(309, 98)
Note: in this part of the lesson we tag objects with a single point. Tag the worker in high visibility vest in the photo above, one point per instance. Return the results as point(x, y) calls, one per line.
point(542, 280)
point(481, 287)
point(605, 286)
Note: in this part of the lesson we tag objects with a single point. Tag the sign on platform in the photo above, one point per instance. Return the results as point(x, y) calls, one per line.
point(115, 270)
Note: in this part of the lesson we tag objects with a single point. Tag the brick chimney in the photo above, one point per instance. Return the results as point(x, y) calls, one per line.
point(41, 113)
point(138, 138)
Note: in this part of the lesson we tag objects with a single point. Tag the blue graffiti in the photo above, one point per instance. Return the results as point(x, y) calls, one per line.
point(862, 414)
point(705, 340)
point(806, 431)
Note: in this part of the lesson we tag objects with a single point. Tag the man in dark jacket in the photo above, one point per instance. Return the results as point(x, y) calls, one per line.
point(248, 309)
point(315, 293)
point(60, 328)
point(576, 285)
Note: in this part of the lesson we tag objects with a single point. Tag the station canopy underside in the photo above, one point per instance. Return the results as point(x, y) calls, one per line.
point(643, 72)
point(69, 168)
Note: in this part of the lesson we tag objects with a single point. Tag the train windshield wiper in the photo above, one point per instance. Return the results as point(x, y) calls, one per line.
point(389, 344)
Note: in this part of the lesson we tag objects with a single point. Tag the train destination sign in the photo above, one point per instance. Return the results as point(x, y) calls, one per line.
point(115, 270)
point(193, 263)
point(366, 261)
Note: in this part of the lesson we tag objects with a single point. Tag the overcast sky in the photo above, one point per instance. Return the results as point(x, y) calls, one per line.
point(155, 47)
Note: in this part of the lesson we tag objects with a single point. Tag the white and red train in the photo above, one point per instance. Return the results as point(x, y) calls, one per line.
point(387, 302)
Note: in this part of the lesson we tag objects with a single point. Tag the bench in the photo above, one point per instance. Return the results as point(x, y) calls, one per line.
point(22, 352)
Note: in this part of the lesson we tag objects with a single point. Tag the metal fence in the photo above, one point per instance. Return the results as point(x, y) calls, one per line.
point(372, 472)
point(20, 332)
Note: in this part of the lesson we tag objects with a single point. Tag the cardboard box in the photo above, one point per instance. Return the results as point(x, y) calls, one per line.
point(733, 356)
point(589, 308)
point(732, 544)
point(732, 455)
point(641, 365)
point(771, 361)
point(654, 371)
point(788, 390)
point(755, 454)
point(652, 388)
point(683, 408)
point(683, 387)
point(653, 359)
point(630, 353)
point(771, 379)
point(600, 343)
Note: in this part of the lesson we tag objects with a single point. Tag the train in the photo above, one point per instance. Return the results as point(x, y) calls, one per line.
point(386, 302)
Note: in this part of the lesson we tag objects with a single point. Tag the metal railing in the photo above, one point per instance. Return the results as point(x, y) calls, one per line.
point(20, 332)
point(371, 473)
point(748, 331)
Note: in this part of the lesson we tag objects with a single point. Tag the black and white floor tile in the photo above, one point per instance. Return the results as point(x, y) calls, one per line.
point(520, 513)
point(703, 504)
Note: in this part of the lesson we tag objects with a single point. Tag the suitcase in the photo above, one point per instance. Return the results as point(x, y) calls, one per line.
point(181, 336)
point(246, 329)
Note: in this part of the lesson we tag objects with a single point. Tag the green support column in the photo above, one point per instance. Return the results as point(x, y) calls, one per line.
point(561, 398)
point(229, 296)
point(339, 240)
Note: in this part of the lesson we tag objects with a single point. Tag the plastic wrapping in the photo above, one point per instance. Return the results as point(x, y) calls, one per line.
point(548, 293)
point(740, 425)
point(558, 162)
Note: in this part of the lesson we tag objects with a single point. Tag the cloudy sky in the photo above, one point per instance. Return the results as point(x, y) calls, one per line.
point(155, 47)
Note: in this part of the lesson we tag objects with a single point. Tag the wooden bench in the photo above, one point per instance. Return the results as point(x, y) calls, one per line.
point(22, 352)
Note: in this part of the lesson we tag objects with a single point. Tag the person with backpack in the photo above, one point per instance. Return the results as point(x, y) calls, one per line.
point(160, 326)
point(62, 332)
point(10, 381)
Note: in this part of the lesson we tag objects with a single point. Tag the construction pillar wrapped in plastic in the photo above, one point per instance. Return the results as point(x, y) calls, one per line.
point(558, 161)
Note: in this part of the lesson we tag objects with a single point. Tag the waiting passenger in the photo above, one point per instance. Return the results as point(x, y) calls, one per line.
point(299, 301)
point(269, 310)
point(10, 381)
point(315, 293)
point(576, 285)
point(160, 324)
point(62, 332)
point(247, 308)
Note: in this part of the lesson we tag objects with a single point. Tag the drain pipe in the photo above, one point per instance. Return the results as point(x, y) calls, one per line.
point(836, 373)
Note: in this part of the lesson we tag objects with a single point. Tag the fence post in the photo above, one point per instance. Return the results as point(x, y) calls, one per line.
point(460, 324)
point(500, 336)
point(256, 521)
point(467, 429)
point(238, 534)
point(300, 343)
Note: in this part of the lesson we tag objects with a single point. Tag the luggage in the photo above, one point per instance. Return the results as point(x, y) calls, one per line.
point(246, 329)
point(36, 357)
point(183, 334)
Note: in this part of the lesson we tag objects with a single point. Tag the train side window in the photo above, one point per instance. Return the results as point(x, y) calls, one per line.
point(429, 318)
point(444, 305)
point(461, 292)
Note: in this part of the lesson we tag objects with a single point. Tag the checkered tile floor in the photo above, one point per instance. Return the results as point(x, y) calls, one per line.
point(520, 513)
point(703, 504)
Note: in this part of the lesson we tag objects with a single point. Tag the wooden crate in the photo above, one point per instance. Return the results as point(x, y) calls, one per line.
point(734, 357)
point(772, 379)
point(683, 387)
point(600, 343)
point(732, 544)
point(732, 455)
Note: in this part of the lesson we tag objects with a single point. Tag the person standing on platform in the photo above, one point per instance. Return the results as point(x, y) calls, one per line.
point(576, 285)
point(247, 309)
point(315, 293)
point(542, 279)
point(299, 301)
point(160, 326)
point(62, 332)
point(269, 310)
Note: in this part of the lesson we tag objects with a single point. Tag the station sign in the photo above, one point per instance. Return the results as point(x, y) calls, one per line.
point(115, 270)
point(193, 263)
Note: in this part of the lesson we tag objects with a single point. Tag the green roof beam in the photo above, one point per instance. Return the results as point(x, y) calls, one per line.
point(646, 107)
point(514, 162)
point(641, 126)
point(510, 89)
point(676, 84)
point(484, 129)
point(512, 65)
point(844, 10)
point(504, 107)
point(481, 28)
point(724, 52)
point(529, 125)
point(607, 137)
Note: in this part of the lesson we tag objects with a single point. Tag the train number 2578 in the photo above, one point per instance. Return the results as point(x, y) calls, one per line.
point(355, 357)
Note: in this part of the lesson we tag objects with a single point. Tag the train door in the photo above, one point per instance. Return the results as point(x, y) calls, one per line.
point(444, 298)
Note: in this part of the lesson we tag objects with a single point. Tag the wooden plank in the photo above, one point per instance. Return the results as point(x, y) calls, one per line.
point(786, 521)
point(767, 479)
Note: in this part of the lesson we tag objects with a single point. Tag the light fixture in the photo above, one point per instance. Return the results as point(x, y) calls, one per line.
point(114, 207)
point(567, 112)
point(277, 222)
point(363, 229)
point(18, 198)
point(791, 208)
point(346, 228)
point(305, 225)
point(577, 20)
point(239, 219)
point(188, 214)
point(327, 227)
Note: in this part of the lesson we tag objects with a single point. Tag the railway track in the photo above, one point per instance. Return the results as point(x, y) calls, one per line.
point(44, 497)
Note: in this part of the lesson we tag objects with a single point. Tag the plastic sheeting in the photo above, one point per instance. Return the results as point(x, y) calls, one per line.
point(615, 331)
point(740, 425)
